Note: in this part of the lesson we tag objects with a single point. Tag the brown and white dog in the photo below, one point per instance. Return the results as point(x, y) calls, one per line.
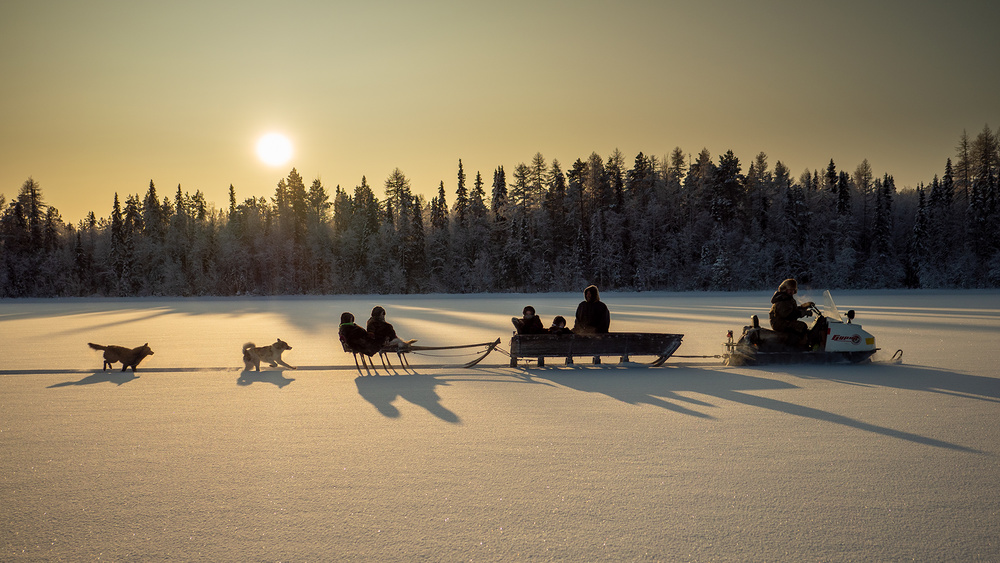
point(254, 355)
point(129, 357)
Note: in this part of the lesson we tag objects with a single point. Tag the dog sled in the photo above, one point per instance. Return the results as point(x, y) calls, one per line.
point(484, 349)
point(621, 344)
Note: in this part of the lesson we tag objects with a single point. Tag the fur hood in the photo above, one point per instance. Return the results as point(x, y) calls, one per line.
point(780, 296)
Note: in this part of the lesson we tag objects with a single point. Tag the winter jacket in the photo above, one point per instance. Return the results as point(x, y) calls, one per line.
point(785, 313)
point(529, 326)
point(592, 315)
point(359, 340)
point(381, 330)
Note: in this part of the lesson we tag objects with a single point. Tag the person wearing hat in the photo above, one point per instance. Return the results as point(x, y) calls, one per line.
point(786, 312)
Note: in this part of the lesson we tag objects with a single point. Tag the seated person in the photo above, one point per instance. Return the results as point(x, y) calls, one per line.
point(786, 312)
point(592, 315)
point(559, 326)
point(529, 323)
point(357, 339)
point(384, 333)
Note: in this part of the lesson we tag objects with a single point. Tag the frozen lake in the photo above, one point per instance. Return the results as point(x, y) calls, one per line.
point(194, 459)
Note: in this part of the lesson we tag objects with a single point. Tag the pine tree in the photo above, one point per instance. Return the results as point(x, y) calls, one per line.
point(33, 208)
point(947, 186)
point(342, 210)
point(293, 208)
point(831, 176)
point(639, 181)
point(535, 188)
point(477, 200)
point(461, 198)
point(439, 210)
point(843, 194)
point(120, 251)
point(864, 184)
point(498, 200)
point(727, 196)
point(918, 250)
point(415, 257)
point(318, 202)
point(596, 186)
point(519, 190)
point(963, 168)
point(614, 169)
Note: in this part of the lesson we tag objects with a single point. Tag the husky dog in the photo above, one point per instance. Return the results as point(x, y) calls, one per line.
point(254, 355)
point(129, 357)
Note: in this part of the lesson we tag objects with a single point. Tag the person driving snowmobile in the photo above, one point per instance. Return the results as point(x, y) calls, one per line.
point(786, 312)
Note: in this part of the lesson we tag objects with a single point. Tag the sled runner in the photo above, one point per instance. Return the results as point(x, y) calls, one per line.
point(621, 344)
point(402, 353)
point(839, 342)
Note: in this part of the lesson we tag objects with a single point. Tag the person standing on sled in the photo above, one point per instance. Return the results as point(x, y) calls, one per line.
point(786, 312)
point(384, 333)
point(592, 315)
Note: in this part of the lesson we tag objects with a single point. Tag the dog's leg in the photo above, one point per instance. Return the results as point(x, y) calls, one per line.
point(286, 365)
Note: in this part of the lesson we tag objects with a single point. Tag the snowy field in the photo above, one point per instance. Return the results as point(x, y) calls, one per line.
point(194, 459)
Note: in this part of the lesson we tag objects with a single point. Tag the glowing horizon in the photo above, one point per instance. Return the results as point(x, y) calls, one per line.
point(108, 99)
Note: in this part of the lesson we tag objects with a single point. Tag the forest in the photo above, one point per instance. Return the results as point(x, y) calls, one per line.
point(681, 222)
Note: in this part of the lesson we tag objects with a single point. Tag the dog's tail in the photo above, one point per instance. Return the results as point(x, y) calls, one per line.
point(248, 346)
point(97, 346)
point(246, 351)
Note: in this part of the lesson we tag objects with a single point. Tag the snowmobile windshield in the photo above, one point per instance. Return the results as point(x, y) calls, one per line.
point(829, 307)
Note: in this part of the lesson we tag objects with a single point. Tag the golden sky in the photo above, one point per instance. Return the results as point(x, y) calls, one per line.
point(103, 96)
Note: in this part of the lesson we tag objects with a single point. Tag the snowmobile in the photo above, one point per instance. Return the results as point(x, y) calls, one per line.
point(829, 340)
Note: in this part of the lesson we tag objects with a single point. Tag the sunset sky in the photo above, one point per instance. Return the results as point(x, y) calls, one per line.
point(101, 97)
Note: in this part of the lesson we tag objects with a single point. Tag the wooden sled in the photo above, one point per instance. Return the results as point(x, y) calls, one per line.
point(621, 344)
point(402, 353)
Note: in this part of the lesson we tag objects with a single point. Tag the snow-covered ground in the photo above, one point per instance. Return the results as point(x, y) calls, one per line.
point(193, 459)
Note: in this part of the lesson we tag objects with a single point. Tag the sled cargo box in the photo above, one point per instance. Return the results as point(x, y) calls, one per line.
point(621, 344)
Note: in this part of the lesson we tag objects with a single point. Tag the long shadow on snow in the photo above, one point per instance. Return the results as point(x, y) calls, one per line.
point(382, 391)
point(654, 387)
point(116, 377)
point(909, 378)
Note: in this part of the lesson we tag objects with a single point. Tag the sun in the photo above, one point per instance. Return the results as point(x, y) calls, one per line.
point(274, 149)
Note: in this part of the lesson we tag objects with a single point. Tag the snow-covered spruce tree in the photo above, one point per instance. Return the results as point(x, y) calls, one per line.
point(916, 264)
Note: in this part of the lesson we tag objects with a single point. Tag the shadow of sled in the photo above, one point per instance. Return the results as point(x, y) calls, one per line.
point(382, 392)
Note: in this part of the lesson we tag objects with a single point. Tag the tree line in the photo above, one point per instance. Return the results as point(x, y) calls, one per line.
point(682, 222)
